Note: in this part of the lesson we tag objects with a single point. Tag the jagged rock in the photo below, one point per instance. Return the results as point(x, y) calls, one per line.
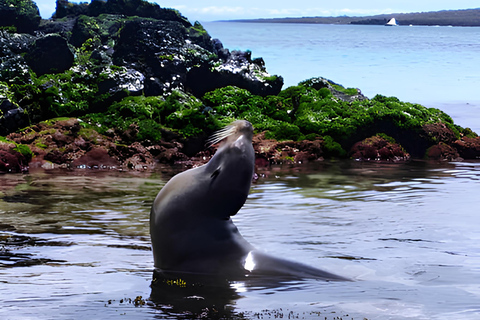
point(119, 83)
point(21, 14)
point(12, 64)
point(50, 54)
point(62, 27)
point(222, 52)
point(138, 8)
point(153, 48)
point(12, 117)
point(238, 70)
point(173, 57)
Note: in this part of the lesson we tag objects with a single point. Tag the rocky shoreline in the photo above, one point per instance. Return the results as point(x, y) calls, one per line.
point(127, 87)
point(66, 146)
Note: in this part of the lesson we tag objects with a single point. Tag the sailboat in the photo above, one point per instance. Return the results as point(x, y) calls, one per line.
point(392, 22)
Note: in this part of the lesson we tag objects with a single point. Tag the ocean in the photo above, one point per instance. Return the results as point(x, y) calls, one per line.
point(434, 66)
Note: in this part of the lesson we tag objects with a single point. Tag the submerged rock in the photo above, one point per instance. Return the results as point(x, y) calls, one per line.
point(378, 148)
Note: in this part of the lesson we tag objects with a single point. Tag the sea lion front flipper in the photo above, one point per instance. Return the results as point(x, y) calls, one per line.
point(260, 263)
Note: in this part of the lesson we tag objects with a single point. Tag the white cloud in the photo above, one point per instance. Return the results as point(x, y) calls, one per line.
point(214, 10)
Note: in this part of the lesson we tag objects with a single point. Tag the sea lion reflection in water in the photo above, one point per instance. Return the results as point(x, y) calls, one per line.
point(190, 224)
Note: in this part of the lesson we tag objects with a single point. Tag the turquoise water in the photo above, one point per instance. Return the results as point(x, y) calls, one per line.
point(435, 66)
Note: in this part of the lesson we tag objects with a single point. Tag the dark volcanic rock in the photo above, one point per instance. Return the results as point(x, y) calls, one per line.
point(238, 70)
point(50, 54)
point(12, 117)
point(139, 8)
point(12, 64)
point(171, 56)
point(23, 15)
point(152, 47)
point(155, 48)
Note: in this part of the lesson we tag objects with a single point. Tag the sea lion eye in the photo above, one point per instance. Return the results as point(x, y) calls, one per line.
point(215, 173)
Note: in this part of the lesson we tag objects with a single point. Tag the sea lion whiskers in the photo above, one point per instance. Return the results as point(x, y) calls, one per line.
point(221, 134)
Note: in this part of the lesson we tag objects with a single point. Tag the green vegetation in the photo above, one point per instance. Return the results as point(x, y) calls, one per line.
point(198, 29)
point(178, 112)
point(55, 95)
point(302, 112)
point(20, 148)
point(296, 113)
point(25, 151)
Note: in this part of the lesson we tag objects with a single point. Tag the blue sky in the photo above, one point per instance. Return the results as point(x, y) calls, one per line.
point(208, 10)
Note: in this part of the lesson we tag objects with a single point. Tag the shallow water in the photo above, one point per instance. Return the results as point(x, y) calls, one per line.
point(76, 245)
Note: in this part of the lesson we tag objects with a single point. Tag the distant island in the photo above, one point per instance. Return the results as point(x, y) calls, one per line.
point(460, 18)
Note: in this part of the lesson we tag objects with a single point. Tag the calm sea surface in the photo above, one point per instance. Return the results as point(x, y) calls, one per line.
point(75, 245)
point(434, 66)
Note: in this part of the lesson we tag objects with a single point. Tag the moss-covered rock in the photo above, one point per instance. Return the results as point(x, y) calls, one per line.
point(14, 157)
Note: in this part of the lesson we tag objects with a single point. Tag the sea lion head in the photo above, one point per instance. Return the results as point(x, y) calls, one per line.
point(232, 167)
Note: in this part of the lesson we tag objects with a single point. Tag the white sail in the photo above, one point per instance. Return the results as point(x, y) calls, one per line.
point(392, 22)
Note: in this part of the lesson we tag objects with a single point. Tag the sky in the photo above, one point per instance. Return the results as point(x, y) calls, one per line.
point(211, 10)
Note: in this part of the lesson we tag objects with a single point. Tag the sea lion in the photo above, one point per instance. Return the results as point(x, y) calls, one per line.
point(190, 225)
